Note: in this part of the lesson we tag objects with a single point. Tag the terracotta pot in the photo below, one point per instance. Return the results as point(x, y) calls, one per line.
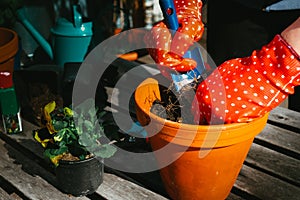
point(80, 178)
point(8, 49)
point(207, 159)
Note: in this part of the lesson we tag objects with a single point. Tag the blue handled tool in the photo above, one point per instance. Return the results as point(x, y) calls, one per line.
point(182, 79)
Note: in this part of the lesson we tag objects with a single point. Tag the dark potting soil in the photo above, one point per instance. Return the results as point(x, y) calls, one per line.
point(175, 106)
point(39, 96)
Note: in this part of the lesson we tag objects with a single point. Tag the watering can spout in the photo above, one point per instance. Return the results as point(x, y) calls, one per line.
point(36, 35)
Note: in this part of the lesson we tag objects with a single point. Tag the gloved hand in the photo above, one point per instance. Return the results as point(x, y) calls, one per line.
point(243, 89)
point(168, 51)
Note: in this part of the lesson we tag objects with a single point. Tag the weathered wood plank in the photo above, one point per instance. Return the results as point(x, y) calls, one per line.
point(283, 139)
point(28, 183)
point(285, 117)
point(15, 196)
point(274, 163)
point(116, 188)
point(276, 136)
point(5, 195)
point(26, 141)
point(232, 196)
point(263, 186)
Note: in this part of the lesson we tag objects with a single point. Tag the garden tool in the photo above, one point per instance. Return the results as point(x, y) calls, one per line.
point(192, 77)
point(283, 5)
point(70, 39)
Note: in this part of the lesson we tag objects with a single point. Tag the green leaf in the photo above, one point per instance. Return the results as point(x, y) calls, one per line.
point(58, 125)
point(55, 152)
point(88, 125)
point(101, 114)
point(59, 136)
point(82, 157)
point(71, 134)
point(86, 140)
point(81, 137)
point(105, 151)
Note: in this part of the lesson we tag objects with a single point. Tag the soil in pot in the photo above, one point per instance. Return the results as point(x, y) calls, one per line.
point(173, 105)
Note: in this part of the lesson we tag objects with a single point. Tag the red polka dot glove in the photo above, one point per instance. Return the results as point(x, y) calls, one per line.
point(243, 89)
point(167, 51)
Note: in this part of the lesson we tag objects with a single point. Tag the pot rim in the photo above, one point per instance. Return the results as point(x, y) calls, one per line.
point(76, 162)
point(9, 49)
point(205, 136)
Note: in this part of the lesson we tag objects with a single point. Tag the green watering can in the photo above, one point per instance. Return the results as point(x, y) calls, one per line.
point(70, 40)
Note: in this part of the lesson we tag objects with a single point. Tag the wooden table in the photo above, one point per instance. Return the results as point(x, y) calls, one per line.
point(271, 170)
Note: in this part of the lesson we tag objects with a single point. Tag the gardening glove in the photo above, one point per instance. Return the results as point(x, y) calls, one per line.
point(242, 89)
point(167, 51)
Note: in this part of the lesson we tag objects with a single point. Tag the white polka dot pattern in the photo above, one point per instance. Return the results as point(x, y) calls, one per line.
point(253, 85)
point(168, 51)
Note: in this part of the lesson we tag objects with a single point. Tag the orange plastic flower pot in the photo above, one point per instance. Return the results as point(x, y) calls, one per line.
point(206, 159)
point(8, 49)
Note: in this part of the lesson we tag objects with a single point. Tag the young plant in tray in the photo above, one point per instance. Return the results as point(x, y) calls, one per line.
point(75, 134)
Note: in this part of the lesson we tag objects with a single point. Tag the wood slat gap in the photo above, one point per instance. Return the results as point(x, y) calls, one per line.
point(284, 126)
point(277, 148)
point(142, 180)
point(286, 141)
point(264, 186)
point(273, 163)
point(10, 189)
point(95, 196)
point(285, 118)
point(242, 194)
point(271, 173)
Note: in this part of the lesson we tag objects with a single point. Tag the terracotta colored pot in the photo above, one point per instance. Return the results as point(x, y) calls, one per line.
point(209, 157)
point(8, 49)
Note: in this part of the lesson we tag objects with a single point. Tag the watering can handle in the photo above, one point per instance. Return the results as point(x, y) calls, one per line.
point(77, 17)
point(36, 35)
